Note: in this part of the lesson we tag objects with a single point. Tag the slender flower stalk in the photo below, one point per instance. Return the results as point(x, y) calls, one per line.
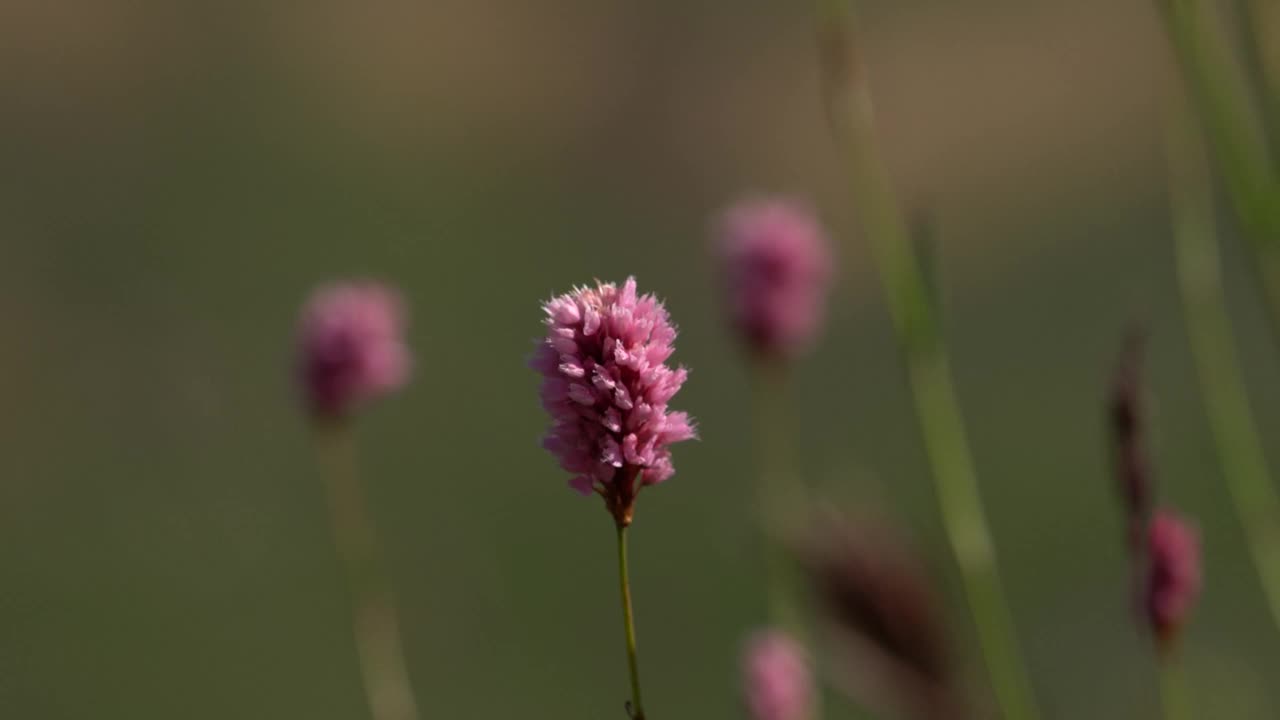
point(776, 490)
point(606, 385)
point(1173, 690)
point(1209, 330)
point(350, 351)
point(376, 622)
point(914, 313)
point(636, 707)
point(1222, 102)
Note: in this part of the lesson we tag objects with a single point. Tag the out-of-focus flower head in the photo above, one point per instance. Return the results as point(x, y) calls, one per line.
point(1173, 575)
point(351, 347)
point(776, 677)
point(776, 262)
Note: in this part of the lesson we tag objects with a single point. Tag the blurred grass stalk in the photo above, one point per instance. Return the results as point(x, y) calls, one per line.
point(1259, 33)
point(1226, 400)
point(914, 316)
point(1223, 102)
point(375, 623)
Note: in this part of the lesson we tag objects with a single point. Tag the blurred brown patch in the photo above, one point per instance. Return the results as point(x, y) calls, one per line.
point(890, 645)
point(983, 108)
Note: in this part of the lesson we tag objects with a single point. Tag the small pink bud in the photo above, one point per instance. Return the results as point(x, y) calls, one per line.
point(351, 347)
point(776, 262)
point(777, 680)
point(1173, 575)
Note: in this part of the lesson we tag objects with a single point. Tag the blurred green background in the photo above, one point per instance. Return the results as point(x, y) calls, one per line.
point(175, 177)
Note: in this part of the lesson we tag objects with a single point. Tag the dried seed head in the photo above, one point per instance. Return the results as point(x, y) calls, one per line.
point(1128, 429)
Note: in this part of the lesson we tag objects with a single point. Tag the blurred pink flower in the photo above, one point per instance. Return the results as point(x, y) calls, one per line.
point(777, 681)
point(351, 346)
point(1173, 574)
point(606, 386)
point(776, 261)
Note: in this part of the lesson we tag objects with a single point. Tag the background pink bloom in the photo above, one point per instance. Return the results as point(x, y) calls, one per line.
point(777, 268)
point(606, 386)
point(777, 682)
point(1173, 573)
point(351, 346)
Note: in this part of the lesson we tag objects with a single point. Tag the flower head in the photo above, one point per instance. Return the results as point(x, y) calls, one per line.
point(777, 680)
point(351, 346)
point(777, 267)
point(1173, 574)
point(606, 385)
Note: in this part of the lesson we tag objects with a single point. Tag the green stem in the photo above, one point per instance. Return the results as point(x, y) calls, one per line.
point(1254, 20)
point(965, 522)
point(914, 314)
point(774, 491)
point(629, 626)
point(1222, 102)
point(1226, 399)
point(376, 625)
point(1173, 689)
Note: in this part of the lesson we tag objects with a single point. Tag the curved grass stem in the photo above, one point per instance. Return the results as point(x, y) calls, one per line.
point(1222, 103)
point(913, 308)
point(1209, 331)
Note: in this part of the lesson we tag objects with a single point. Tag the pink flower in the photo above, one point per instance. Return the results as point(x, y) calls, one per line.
point(777, 267)
point(606, 386)
point(351, 346)
point(777, 682)
point(1173, 574)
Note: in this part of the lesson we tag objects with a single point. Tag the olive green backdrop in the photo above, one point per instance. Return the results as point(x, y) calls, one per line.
point(175, 177)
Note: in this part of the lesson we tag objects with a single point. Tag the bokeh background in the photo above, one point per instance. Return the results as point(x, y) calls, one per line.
point(176, 176)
